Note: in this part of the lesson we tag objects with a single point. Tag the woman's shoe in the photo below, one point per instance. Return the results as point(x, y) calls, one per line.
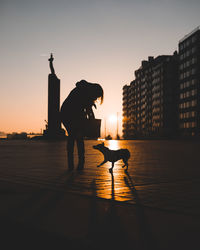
point(80, 166)
point(70, 168)
point(70, 164)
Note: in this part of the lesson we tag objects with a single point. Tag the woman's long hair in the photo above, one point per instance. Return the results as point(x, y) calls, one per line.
point(94, 89)
point(98, 91)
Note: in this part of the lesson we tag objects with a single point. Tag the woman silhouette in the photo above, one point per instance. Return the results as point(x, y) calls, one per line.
point(76, 108)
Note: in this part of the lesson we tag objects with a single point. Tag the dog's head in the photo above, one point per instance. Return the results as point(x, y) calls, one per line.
point(99, 146)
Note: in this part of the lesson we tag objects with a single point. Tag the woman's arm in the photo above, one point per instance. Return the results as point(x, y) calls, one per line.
point(90, 113)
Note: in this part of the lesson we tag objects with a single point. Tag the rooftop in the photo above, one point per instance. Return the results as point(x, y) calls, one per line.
point(189, 34)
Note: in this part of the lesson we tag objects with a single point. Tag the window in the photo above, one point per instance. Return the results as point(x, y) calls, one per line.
point(188, 42)
point(194, 38)
point(194, 49)
point(193, 124)
point(193, 103)
point(193, 71)
point(194, 60)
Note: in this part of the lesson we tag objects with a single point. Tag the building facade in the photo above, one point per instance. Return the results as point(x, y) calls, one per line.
point(189, 84)
point(126, 118)
point(150, 102)
point(164, 98)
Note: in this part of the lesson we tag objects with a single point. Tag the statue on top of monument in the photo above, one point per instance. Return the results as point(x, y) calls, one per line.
point(51, 64)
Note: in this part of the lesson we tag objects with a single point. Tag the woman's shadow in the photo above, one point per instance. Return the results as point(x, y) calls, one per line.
point(48, 197)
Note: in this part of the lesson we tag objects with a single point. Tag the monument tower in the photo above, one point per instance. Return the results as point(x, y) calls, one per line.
point(53, 128)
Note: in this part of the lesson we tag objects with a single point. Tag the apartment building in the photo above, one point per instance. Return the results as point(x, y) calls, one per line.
point(189, 84)
point(150, 102)
point(126, 117)
point(164, 98)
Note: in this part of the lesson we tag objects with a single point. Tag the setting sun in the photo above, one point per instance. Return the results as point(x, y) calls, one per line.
point(113, 118)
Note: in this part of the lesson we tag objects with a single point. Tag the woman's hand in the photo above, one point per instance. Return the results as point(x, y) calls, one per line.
point(90, 113)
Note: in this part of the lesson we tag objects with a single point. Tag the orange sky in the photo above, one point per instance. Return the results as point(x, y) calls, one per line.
point(99, 41)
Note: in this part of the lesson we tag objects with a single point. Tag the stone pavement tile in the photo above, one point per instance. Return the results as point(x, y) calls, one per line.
point(171, 196)
point(159, 205)
point(98, 222)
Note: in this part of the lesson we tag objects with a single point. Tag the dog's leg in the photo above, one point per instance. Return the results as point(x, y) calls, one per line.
point(103, 162)
point(111, 169)
point(125, 164)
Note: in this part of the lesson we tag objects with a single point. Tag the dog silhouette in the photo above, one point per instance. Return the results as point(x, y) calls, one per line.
point(113, 155)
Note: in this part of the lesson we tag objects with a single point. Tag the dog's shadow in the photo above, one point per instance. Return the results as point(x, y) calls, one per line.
point(106, 228)
point(146, 237)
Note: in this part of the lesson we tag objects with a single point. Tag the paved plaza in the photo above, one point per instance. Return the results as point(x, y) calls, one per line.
point(153, 205)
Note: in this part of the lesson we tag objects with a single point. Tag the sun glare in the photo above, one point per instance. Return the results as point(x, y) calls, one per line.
point(113, 118)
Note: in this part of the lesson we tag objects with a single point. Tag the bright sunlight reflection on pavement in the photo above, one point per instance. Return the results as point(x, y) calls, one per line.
point(113, 144)
point(112, 186)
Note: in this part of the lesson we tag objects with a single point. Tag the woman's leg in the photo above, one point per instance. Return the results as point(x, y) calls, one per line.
point(81, 152)
point(70, 144)
point(75, 132)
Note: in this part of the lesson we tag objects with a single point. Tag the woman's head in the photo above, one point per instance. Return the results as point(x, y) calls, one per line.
point(98, 92)
point(94, 90)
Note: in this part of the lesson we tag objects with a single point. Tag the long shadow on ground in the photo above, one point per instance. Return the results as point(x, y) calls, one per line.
point(22, 236)
point(106, 231)
point(146, 237)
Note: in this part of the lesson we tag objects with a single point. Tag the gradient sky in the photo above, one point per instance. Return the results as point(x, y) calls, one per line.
point(97, 40)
